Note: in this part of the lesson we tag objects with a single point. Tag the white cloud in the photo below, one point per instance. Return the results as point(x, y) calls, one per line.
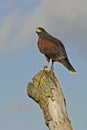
point(66, 19)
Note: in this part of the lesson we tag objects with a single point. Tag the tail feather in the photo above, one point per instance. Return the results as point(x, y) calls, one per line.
point(68, 65)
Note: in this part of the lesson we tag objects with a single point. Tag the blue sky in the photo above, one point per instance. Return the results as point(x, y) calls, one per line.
point(20, 59)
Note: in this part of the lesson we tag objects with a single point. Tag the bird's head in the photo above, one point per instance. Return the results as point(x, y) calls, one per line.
point(40, 31)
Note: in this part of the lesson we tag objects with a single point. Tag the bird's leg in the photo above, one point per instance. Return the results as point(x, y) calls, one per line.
point(52, 65)
point(47, 61)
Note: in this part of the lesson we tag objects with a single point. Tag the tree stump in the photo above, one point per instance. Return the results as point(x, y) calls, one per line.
point(46, 91)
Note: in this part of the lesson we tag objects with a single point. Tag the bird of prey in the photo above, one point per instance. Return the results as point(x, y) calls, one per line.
point(53, 49)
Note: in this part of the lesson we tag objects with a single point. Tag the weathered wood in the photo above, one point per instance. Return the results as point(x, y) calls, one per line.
point(46, 91)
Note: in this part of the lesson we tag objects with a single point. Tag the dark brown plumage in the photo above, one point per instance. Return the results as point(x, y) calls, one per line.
point(53, 49)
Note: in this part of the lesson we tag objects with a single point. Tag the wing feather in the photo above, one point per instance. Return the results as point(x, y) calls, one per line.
point(53, 48)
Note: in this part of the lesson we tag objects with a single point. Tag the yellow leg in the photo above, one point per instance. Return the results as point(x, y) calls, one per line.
point(52, 68)
point(47, 62)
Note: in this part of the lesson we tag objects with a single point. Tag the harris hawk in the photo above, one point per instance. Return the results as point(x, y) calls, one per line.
point(53, 49)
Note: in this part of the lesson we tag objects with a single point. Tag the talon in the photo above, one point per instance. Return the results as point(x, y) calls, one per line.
point(45, 66)
point(52, 68)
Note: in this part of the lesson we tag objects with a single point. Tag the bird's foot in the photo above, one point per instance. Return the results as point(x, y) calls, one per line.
point(52, 68)
point(45, 67)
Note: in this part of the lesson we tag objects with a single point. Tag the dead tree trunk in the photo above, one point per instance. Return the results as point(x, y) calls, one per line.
point(46, 91)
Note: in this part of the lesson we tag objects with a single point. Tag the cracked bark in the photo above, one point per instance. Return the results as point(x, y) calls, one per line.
point(46, 91)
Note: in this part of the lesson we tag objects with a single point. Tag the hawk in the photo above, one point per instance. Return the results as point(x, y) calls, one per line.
point(53, 49)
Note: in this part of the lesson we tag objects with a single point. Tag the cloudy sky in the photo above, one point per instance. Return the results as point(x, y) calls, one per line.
point(20, 59)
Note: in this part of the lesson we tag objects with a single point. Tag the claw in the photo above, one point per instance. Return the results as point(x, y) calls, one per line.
point(52, 68)
point(46, 67)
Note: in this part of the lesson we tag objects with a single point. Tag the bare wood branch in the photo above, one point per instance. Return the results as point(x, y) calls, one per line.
point(46, 91)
